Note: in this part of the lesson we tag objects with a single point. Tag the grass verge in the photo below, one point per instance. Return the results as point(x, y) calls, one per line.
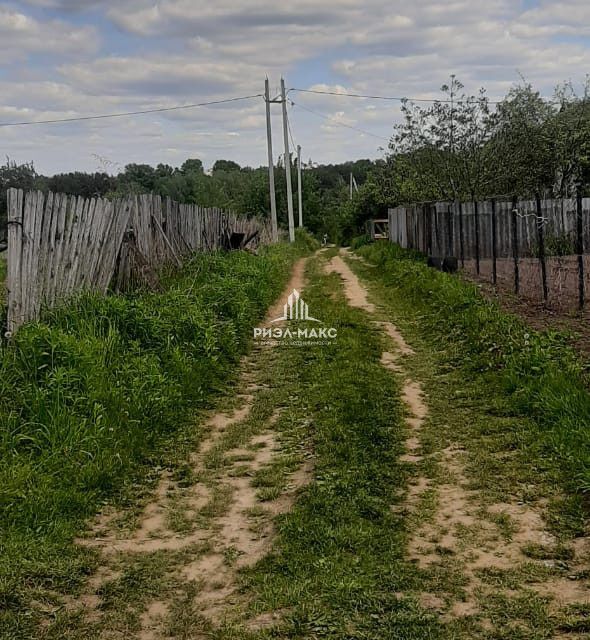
point(541, 375)
point(92, 396)
point(506, 401)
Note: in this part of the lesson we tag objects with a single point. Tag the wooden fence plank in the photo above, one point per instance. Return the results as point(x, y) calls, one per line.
point(59, 245)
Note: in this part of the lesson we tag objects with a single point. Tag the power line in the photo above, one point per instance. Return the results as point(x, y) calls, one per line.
point(340, 124)
point(130, 113)
point(393, 98)
point(291, 132)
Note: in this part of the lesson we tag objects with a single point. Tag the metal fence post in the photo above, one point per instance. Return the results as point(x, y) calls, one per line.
point(580, 247)
point(515, 244)
point(494, 244)
point(451, 248)
point(541, 241)
point(461, 235)
point(476, 225)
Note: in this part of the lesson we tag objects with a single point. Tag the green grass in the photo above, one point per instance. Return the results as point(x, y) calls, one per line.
point(338, 566)
point(532, 375)
point(93, 396)
point(489, 382)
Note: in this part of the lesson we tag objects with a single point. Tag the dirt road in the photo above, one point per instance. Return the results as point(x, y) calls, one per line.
point(189, 561)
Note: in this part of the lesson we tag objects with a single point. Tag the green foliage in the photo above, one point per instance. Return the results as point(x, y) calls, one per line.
point(460, 148)
point(89, 394)
point(305, 240)
point(192, 166)
point(360, 241)
point(225, 165)
point(557, 245)
point(542, 375)
point(444, 142)
point(87, 185)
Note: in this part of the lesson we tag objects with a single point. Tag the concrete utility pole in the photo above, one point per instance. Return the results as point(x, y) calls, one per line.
point(300, 193)
point(271, 170)
point(287, 164)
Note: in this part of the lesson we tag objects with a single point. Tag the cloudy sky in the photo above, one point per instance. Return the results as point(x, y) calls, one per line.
point(67, 58)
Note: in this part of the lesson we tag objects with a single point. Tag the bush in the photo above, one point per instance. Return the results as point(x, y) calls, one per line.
point(360, 241)
point(305, 240)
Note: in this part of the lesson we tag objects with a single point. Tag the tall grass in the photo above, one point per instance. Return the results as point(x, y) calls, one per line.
point(88, 394)
point(542, 375)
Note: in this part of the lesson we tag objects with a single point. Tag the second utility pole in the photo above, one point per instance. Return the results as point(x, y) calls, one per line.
point(271, 173)
point(287, 164)
point(299, 191)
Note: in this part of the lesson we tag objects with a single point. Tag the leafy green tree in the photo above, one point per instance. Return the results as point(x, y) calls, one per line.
point(520, 156)
point(571, 132)
point(137, 178)
point(77, 183)
point(444, 141)
point(192, 165)
point(225, 165)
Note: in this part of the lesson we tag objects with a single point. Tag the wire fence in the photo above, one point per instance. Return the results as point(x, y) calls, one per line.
point(60, 245)
point(535, 248)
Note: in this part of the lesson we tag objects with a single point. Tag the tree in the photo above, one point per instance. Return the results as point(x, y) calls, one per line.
point(520, 155)
point(192, 166)
point(137, 178)
point(76, 183)
point(571, 132)
point(225, 165)
point(443, 141)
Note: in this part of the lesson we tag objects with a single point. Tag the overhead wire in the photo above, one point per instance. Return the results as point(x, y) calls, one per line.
point(131, 113)
point(291, 132)
point(336, 123)
point(342, 94)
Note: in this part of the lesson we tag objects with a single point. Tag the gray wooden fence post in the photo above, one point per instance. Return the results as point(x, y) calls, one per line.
point(15, 240)
point(515, 244)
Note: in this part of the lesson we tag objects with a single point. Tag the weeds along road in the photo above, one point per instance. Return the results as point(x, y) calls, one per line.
point(358, 489)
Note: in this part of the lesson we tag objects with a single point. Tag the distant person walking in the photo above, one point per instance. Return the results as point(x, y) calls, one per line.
point(325, 240)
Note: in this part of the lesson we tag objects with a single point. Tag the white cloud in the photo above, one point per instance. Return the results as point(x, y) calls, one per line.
point(177, 51)
point(21, 35)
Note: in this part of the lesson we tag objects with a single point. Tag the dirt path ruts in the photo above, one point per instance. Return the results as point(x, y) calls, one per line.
point(239, 527)
point(458, 510)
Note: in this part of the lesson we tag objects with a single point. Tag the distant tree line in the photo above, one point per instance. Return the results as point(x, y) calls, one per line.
point(228, 185)
point(460, 147)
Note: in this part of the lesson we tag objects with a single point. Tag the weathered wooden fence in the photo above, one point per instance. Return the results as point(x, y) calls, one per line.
point(59, 244)
point(536, 247)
